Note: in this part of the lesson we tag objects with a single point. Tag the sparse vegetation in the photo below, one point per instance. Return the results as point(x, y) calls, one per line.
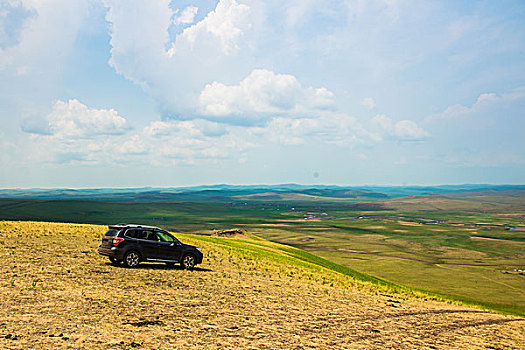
point(249, 293)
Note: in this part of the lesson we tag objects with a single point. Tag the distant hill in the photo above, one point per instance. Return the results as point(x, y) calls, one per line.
point(286, 192)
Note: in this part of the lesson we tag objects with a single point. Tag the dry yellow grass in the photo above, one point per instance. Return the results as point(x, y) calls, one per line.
point(459, 253)
point(408, 223)
point(275, 225)
point(58, 293)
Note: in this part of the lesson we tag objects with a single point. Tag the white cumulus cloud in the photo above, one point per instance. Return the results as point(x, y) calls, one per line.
point(404, 130)
point(174, 69)
point(329, 128)
point(226, 23)
point(35, 37)
point(265, 92)
point(197, 128)
point(75, 133)
point(187, 16)
point(189, 141)
point(74, 119)
point(483, 104)
point(408, 130)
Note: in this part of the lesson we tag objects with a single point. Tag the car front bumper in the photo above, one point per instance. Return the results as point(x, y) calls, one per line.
point(199, 257)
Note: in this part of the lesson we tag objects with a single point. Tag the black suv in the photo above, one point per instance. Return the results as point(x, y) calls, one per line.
point(132, 244)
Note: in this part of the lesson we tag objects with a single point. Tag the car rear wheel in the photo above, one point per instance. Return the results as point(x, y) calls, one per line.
point(188, 262)
point(131, 259)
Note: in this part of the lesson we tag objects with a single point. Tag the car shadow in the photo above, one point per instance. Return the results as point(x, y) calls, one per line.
point(152, 266)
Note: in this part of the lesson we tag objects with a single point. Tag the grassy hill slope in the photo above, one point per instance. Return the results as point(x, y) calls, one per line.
point(249, 293)
point(470, 254)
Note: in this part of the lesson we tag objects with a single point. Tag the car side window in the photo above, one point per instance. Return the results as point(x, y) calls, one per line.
point(111, 233)
point(151, 236)
point(138, 234)
point(166, 237)
point(131, 233)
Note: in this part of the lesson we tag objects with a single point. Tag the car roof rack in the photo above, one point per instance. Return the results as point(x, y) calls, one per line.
point(122, 225)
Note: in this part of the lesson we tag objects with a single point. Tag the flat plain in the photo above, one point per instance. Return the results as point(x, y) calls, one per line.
point(471, 248)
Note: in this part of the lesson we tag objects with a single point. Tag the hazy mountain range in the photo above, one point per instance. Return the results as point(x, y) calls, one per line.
point(223, 192)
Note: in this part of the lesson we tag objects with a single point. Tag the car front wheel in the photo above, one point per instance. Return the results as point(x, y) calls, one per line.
point(188, 262)
point(131, 259)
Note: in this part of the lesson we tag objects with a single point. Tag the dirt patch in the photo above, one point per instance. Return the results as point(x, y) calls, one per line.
point(459, 253)
point(478, 238)
point(519, 216)
point(484, 238)
point(372, 237)
point(378, 227)
point(236, 232)
point(408, 223)
point(275, 225)
point(401, 231)
point(145, 323)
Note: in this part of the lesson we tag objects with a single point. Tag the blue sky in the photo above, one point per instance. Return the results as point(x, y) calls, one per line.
point(176, 93)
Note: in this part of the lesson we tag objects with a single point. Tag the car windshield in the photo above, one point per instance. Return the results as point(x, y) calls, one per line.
point(166, 237)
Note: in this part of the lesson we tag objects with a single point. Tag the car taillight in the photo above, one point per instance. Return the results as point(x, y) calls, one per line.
point(117, 240)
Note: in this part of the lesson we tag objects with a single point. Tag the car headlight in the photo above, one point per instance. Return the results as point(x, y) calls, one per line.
point(199, 249)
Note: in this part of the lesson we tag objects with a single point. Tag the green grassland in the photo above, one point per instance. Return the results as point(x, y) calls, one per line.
point(453, 264)
point(468, 253)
